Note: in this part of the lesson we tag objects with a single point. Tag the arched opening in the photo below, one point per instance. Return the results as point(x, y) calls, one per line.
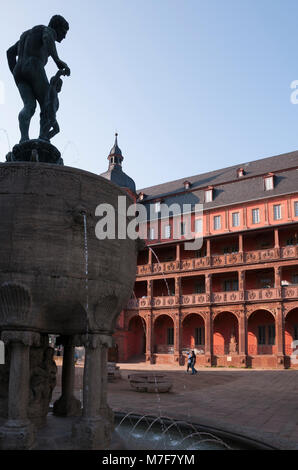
point(136, 338)
point(225, 334)
point(261, 333)
point(193, 332)
point(291, 335)
point(164, 335)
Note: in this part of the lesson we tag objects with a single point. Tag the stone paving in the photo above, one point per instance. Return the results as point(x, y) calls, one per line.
point(260, 404)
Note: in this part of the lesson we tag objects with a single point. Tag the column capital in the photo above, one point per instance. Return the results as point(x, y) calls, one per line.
point(93, 340)
point(27, 338)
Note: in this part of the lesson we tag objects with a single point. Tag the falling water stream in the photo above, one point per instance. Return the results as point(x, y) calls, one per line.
point(86, 372)
point(163, 274)
point(7, 138)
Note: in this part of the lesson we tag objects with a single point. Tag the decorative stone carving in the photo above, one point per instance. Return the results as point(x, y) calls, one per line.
point(233, 345)
point(42, 375)
point(15, 304)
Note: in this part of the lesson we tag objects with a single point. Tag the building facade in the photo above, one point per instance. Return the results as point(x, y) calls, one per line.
point(234, 300)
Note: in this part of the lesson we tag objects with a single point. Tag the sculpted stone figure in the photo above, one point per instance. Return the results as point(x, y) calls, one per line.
point(27, 60)
point(51, 127)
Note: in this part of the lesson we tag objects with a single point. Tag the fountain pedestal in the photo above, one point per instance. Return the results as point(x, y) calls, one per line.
point(18, 432)
point(45, 289)
point(36, 150)
point(67, 404)
point(94, 430)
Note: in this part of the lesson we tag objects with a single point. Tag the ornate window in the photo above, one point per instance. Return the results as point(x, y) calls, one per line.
point(151, 234)
point(235, 219)
point(255, 216)
point(198, 225)
point(277, 212)
point(167, 231)
point(217, 222)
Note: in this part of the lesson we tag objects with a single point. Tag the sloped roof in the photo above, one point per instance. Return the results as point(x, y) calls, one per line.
point(229, 174)
point(228, 189)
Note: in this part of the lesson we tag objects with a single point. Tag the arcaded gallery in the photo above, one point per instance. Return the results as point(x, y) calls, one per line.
point(235, 300)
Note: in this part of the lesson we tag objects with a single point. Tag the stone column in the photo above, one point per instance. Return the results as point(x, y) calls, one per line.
point(276, 242)
point(208, 287)
point(208, 338)
point(208, 249)
point(149, 340)
point(277, 277)
point(177, 289)
point(67, 404)
point(95, 427)
point(149, 288)
point(178, 251)
point(240, 246)
point(177, 339)
point(149, 256)
point(18, 432)
point(279, 337)
point(241, 284)
point(242, 351)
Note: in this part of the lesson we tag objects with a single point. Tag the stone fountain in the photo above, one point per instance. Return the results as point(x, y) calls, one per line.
point(47, 223)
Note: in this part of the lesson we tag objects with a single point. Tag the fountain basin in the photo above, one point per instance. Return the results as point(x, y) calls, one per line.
point(42, 250)
point(150, 382)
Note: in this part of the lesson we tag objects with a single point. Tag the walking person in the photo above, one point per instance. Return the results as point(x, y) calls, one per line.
point(189, 361)
point(192, 364)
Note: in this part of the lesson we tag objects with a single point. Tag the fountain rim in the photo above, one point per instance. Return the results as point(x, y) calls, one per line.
point(254, 444)
point(65, 169)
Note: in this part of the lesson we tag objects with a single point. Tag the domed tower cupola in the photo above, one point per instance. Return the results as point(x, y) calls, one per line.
point(115, 172)
point(115, 157)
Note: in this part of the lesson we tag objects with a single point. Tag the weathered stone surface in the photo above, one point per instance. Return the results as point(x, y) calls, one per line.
point(43, 290)
point(42, 382)
point(42, 247)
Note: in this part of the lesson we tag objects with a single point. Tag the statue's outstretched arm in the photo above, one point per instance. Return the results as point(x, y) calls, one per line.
point(12, 56)
point(49, 39)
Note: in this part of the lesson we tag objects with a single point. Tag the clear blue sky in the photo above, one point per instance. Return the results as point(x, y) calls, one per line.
point(190, 85)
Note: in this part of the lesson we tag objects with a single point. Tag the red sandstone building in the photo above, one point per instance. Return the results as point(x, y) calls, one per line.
point(235, 300)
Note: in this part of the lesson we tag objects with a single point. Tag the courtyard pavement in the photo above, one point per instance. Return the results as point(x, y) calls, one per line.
point(260, 404)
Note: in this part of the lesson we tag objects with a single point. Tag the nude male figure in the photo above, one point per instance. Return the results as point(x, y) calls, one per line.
point(26, 60)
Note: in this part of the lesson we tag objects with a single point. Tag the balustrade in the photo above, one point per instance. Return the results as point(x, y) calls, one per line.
point(232, 259)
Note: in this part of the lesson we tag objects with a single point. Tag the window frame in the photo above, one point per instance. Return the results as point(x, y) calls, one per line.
point(238, 216)
point(279, 212)
point(255, 211)
point(216, 217)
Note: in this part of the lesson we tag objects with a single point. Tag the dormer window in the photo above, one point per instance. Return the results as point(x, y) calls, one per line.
point(187, 184)
point(240, 172)
point(268, 182)
point(209, 194)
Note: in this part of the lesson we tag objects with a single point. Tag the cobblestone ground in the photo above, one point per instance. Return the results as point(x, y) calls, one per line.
point(261, 404)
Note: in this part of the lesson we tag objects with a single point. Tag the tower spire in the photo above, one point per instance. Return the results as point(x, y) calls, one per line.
point(115, 157)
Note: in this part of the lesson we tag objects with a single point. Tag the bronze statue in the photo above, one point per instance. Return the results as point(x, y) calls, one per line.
point(27, 60)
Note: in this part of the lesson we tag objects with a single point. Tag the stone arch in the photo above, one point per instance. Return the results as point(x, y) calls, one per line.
point(193, 331)
point(251, 310)
point(261, 332)
point(225, 333)
point(291, 331)
point(163, 334)
point(136, 337)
